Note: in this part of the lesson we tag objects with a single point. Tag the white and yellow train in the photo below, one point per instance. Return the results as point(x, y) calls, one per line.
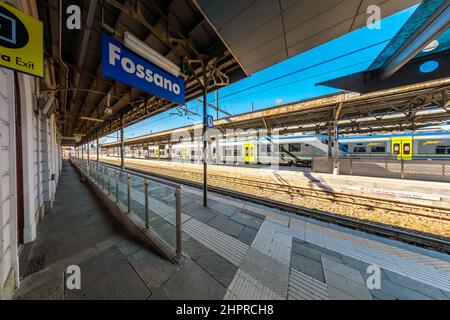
point(300, 149)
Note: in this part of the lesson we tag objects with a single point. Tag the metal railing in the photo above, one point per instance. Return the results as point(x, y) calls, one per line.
point(155, 201)
point(433, 169)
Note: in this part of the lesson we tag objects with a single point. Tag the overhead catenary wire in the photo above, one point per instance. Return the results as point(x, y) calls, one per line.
point(296, 81)
point(307, 68)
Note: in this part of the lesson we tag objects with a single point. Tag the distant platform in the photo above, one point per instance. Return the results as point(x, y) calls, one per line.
point(414, 191)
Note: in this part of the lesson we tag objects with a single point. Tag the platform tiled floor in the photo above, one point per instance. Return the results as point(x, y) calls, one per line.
point(234, 250)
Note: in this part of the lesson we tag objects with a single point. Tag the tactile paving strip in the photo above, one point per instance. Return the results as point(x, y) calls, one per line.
point(245, 286)
point(264, 272)
point(274, 240)
point(373, 252)
point(304, 287)
point(224, 245)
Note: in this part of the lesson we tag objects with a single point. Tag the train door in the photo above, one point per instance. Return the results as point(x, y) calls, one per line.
point(402, 148)
point(157, 153)
point(249, 152)
point(183, 153)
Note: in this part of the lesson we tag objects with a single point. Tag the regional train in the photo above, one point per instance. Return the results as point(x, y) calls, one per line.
point(299, 149)
point(406, 146)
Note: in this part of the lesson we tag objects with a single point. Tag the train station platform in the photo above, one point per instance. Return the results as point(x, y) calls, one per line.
point(413, 191)
point(232, 250)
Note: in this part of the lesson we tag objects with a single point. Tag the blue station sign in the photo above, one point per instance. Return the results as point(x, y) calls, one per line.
point(121, 64)
point(209, 121)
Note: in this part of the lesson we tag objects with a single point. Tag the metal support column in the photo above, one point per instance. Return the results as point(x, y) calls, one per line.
point(329, 140)
point(179, 249)
point(88, 150)
point(98, 151)
point(122, 147)
point(205, 165)
point(217, 104)
point(146, 201)
point(82, 151)
point(128, 193)
point(336, 149)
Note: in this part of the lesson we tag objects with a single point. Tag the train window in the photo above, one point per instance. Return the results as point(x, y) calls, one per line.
point(268, 148)
point(407, 148)
point(359, 149)
point(282, 148)
point(443, 150)
point(214, 150)
point(397, 148)
point(378, 149)
point(294, 147)
point(192, 152)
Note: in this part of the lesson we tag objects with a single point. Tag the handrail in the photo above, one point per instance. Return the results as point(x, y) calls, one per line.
point(91, 169)
point(140, 175)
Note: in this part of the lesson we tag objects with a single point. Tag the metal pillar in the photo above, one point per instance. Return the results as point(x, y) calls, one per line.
point(82, 151)
point(178, 224)
point(329, 141)
point(88, 150)
point(336, 149)
point(337, 114)
point(205, 165)
point(98, 152)
point(122, 147)
point(217, 104)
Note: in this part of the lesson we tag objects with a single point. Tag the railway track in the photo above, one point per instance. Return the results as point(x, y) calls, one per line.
point(244, 188)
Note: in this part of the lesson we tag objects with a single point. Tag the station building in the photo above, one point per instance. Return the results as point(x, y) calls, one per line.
point(30, 163)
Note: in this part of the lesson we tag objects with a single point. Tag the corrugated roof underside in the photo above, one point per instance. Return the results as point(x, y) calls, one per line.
point(261, 33)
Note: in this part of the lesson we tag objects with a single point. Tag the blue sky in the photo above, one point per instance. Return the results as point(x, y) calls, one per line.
point(305, 70)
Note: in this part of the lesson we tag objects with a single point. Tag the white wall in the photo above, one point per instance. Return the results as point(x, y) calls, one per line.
point(41, 159)
point(8, 229)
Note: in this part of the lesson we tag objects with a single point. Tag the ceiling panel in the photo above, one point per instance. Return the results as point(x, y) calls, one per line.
point(259, 34)
point(257, 38)
point(255, 15)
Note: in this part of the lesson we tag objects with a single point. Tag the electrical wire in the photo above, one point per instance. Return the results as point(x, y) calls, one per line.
point(298, 80)
point(307, 68)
